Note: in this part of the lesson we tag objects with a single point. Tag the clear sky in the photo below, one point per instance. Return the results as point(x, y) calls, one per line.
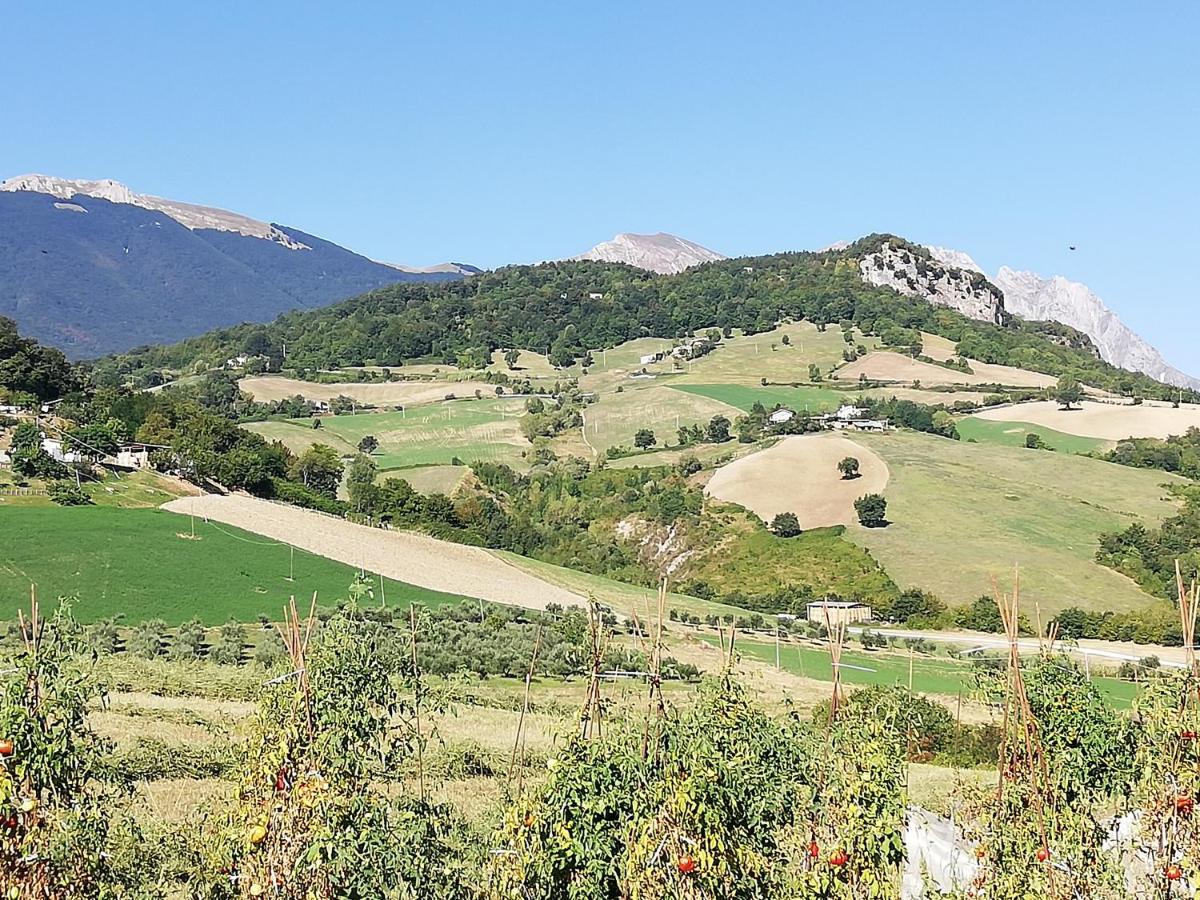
point(519, 131)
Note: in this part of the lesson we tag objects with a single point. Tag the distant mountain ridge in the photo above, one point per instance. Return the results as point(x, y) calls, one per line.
point(1057, 299)
point(93, 267)
point(663, 253)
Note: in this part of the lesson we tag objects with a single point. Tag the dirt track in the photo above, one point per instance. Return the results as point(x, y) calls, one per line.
point(1108, 421)
point(799, 474)
point(403, 556)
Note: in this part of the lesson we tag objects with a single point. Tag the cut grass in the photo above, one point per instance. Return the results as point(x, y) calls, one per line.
point(964, 513)
point(743, 397)
point(1012, 434)
point(471, 430)
point(132, 563)
point(429, 479)
point(615, 419)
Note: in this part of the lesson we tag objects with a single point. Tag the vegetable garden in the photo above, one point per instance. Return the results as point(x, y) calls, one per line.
point(333, 794)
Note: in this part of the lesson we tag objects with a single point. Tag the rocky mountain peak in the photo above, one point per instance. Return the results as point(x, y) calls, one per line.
point(664, 253)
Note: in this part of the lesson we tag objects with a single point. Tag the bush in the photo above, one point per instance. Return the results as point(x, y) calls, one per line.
point(872, 510)
point(67, 493)
point(786, 525)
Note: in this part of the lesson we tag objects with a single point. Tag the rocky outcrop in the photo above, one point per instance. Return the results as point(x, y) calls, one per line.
point(662, 253)
point(1057, 299)
point(915, 272)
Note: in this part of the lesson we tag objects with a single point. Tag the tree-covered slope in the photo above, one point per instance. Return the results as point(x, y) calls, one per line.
point(93, 277)
point(569, 308)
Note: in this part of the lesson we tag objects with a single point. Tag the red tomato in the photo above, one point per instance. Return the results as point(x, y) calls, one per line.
point(6, 747)
point(1184, 804)
point(1174, 873)
point(686, 865)
point(1043, 854)
point(814, 849)
point(838, 858)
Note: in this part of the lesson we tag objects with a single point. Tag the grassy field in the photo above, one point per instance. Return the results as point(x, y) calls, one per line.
point(129, 490)
point(743, 397)
point(931, 675)
point(431, 435)
point(647, 404)
point(133, 563)
point(962, 513)
point(754, 561)
point(1012, 434)
point(746, 359)
point(429, 479)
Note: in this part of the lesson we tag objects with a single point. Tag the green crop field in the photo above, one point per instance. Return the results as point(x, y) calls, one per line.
point(1012, 434)
point(931, 675)
point(133, 563)
point(962, 513)
point(429, 479)
point(743, 397)
point(471, 430)
point(748, 359)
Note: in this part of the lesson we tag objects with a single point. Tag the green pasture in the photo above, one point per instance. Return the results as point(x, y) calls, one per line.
point(930, 675)
point(615, 418)
point(743, 397)
point(472, 430)
point(142, 564)
point(964, 513)
point(1012, 434)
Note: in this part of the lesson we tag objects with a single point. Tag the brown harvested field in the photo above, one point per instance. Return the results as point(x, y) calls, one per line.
point(800, 475)
point(883, 365)
point(411, 558)
point(388, 393)
point(1108, 421)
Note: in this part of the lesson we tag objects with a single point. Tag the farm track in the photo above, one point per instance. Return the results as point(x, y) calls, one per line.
point(403, 556)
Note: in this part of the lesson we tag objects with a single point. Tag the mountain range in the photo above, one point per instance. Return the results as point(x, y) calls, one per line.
point(987, 298)
point(92, 267)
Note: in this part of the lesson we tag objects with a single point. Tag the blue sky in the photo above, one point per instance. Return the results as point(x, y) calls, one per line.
point(512, 132)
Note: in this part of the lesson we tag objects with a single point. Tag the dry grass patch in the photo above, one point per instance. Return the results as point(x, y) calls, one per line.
point(883, 365)
point(266, 388)
point(799, 475)
point(403, 556)
point(1107, 421)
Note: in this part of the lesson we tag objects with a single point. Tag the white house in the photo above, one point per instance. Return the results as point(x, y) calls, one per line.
point(133, 456)
point(870, 425)
point(55, 448)
point(848, 413)
point(780, 416)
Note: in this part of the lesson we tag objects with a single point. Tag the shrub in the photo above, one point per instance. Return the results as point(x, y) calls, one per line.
point(786, 525)
point(872, 510)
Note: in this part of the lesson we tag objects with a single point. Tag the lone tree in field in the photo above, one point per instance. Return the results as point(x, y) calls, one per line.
point(786, 525)
point(511, 357)
point(849, 467)
point(1068, 392)
point(872, 510)
point(644, 439)
point(369, 444)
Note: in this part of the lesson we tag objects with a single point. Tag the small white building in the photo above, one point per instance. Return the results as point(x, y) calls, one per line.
point(595, 295)
point(648, 358)
point(133, 456)
point(837, 612)
point(870, 425)
point(6, 410)
point(780, 416)
point(848, 413)
point(58, 451)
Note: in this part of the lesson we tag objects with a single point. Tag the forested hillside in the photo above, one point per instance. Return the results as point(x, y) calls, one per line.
point(566, 309)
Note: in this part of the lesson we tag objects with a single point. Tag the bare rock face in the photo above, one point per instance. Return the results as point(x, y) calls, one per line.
point(919, 274)
point(1057, 299)
point(663, 253)
point(189, 215)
